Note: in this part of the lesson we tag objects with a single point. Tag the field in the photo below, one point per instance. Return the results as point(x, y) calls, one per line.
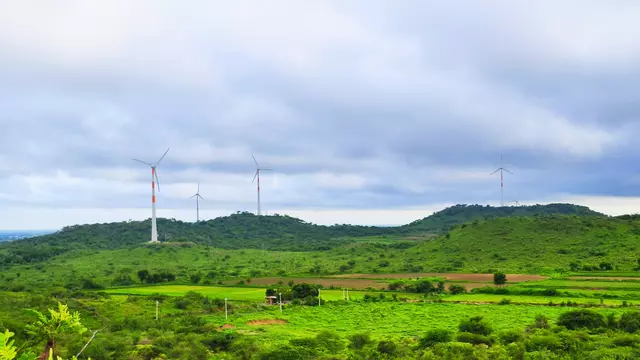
point(234, 293)
point(388, 319)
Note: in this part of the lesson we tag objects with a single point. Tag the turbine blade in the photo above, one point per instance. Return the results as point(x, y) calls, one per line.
point(165, 154)
point(200, 197)
point(255, 161)
point(157, 180)
point(193, 196)
point(198, 187)
point(496, 171)
point(140, 161)
point(508, 171)
point(254, 176)
point(266, 169)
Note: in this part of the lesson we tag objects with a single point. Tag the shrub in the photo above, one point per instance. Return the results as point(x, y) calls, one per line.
point(358, 341)
point(629, 322)
point(387, 347)
point(457, 289)
point(475, 325)
point(511, 336)
point(475, 339)
point(583, 318)
point(435, 336)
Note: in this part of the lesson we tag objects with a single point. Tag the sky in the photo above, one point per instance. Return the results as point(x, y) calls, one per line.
point(369, 111)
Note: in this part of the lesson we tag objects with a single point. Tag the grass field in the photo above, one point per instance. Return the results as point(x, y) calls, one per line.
point(390, 319)
point(236, 293)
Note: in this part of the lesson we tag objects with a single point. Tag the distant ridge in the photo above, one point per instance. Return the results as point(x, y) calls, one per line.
point(441, 221)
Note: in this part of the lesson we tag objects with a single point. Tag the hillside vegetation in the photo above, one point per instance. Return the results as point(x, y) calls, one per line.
point(247, 231)
point(442, 221)
point(535, 244)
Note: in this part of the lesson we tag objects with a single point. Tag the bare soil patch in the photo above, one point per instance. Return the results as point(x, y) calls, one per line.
point(266, 322)
point(449, 276)
point(227, 326)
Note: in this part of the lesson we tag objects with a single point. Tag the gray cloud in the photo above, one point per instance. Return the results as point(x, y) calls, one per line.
point(359, 105)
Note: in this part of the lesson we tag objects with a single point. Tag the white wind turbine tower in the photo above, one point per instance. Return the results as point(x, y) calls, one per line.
point(154, 179)
point(198, 197)
point(257, 176)
point(502, 170)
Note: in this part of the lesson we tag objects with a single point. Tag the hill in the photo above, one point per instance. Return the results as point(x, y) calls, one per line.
point(441, 221)
point(236, 231)
point(534, 244)
point(248, 231)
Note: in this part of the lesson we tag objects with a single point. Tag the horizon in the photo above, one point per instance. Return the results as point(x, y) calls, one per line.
point(327, 222)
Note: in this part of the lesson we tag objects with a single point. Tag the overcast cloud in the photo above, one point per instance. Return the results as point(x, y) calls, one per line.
point(371, 112)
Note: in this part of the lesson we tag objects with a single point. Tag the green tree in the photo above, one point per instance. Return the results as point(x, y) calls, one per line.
point(499, 278)
point(49, 328)
point(143, 275)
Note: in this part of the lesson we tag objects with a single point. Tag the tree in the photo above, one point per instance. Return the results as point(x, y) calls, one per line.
point(303, 290)
point(49, 328)
point(499, 278)
point(143, 275)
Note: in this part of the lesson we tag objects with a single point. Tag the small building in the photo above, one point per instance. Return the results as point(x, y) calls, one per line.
point(271, 300)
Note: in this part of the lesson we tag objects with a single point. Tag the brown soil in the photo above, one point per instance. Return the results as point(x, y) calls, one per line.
point(451, 276)
point(601, 278)
point(227, 326)
point(266, 322)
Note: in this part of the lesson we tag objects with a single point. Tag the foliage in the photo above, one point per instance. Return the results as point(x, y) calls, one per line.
point(475, 325)
point(582, 318)
point(442, 221)
point(499, 278)
point(244, 230)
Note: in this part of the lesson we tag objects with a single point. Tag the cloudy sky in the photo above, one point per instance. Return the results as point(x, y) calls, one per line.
point(370, 112)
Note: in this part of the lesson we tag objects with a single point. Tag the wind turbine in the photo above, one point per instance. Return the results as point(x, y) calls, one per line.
point(154, 179)
point(502, 170)
point(198, 197)
point(257, 176)
point(516, 202)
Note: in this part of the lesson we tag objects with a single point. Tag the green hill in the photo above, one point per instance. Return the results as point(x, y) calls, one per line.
point(236, 231)
point(442, 221)
point(247, 231)
point(534, 244)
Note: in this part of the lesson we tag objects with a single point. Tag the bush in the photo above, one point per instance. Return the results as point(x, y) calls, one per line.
point(511, 336)
point(387, 347)
point(475, 339)
point(629, 322)
point(583, 318)
point(436, 336)
point(457, 289)
point(358, 341)
point(475, 325)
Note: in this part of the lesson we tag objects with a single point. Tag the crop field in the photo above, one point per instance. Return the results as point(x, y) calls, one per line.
point(389, 319)
point(585, 284)
point(253, 294)
point(535, 300)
